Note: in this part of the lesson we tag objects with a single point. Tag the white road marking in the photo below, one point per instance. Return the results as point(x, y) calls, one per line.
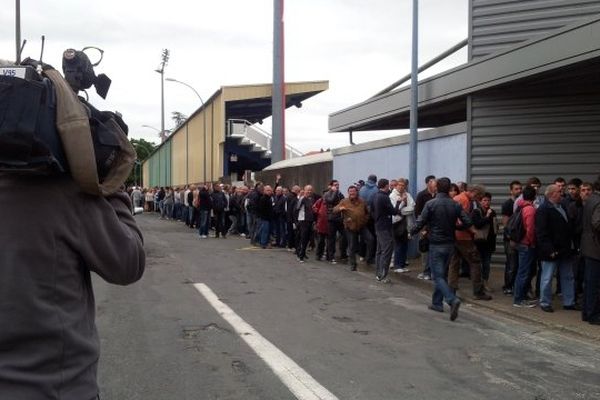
point(300, 383)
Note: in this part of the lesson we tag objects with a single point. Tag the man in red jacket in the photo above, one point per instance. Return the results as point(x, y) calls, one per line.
point(526, 248)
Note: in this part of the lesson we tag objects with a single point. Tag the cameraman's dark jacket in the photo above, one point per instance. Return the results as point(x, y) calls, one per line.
point(440, 215)
point(553, 233)
point(53, 235)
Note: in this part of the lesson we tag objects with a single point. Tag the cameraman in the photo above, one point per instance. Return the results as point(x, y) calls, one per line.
point(49, 345)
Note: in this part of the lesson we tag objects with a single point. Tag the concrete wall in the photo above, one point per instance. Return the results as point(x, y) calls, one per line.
point(442, 152)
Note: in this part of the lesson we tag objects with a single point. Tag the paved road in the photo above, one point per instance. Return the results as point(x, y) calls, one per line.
point(161, 339)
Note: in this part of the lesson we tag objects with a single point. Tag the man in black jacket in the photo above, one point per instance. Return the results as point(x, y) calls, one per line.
point(279, 217)
point(590, 249)
point(304, 218)
point(440, 215)
point(383, 210)
point(554, 242)
point(334, 222)
point(264, 214)
point(219, 204)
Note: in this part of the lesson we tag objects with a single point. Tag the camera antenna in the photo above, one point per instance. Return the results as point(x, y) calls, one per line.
point(42, 51)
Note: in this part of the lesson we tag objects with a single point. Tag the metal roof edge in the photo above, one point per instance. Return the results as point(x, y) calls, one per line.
point(467, 87)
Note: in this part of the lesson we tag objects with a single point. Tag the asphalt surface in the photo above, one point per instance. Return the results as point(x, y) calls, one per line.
point(358, 338)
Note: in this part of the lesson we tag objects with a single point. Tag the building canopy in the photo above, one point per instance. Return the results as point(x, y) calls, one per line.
point(443, 98)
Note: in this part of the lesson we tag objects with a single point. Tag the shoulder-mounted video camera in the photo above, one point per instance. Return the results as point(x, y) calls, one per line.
point(46, 128)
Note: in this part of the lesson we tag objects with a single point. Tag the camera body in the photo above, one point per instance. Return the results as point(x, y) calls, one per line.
point(29, 140)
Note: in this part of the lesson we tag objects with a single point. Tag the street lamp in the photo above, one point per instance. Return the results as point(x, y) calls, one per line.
point(161, 71)
point(189, 86)
point(151, 127)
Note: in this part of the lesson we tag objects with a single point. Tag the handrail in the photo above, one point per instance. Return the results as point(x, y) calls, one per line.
point(254, 133)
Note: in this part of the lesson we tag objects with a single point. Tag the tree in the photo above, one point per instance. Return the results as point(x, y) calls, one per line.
point(143, 149)
point(178, 118)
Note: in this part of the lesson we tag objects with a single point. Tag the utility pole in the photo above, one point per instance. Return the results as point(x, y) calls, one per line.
point(278, 100)
point(414, 103)
point(161, 71)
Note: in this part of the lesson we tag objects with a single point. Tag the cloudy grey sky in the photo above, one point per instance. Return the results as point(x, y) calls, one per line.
point(359, 46)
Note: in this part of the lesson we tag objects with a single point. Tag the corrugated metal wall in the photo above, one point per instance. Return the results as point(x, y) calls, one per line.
point(497, 25)
point(547, 128)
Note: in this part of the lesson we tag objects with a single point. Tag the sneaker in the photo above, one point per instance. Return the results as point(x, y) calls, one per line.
point(242, 235)
point(332, 262)
point(403, 270)
point(547, 308)
point(361, 259)
point(301, 261)
point(524, 304)
point(421, 276)
point(291, 250)
point(427, 277)
point(454, 310)
point(507, 292)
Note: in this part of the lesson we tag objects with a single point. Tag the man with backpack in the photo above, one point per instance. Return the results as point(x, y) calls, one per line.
point(219, 205)
point(522, 235)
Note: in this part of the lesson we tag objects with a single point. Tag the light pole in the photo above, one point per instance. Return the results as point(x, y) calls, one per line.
point(414, 103)
point(189, 86)
point(161, 71)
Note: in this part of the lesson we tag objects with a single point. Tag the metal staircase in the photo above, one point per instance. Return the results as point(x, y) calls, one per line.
point(258, 140)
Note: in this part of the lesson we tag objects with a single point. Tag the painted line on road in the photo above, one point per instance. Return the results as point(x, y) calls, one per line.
point(300, 383)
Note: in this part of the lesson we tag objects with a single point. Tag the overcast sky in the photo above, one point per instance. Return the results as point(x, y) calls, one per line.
point(360, 46)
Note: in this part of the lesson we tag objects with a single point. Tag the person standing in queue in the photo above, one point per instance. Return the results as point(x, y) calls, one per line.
point(440, 215)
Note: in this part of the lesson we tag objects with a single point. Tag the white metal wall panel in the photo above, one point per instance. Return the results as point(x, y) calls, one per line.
point(496, 25)
point(445, 156)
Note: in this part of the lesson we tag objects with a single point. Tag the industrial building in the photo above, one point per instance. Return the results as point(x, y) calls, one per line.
point(223, 139)
point(528, 98)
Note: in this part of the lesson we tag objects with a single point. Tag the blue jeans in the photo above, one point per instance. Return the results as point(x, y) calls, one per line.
point(438, 259)
point(264, 231)
point(204, 221)
point(565, 268)
point(526, 260)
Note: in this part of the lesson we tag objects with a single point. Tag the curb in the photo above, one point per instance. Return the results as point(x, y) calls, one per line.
point(426, 286)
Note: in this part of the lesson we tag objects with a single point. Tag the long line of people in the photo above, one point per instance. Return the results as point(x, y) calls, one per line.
point(543, 235)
